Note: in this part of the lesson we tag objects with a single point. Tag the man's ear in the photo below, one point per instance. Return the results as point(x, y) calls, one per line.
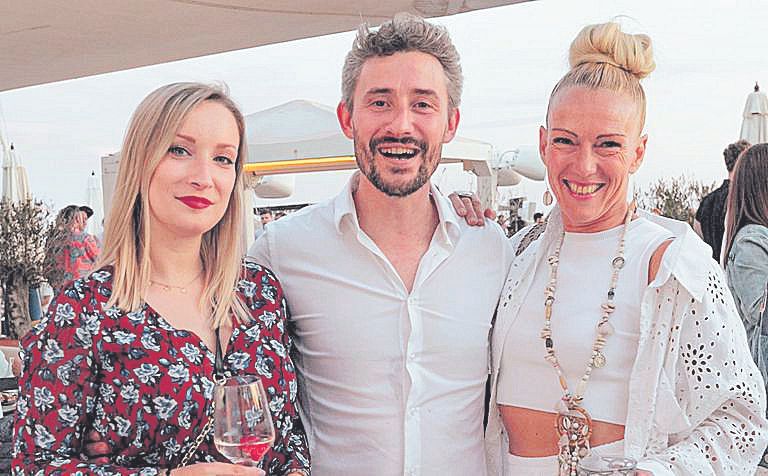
point(453, 123)
point(344, 114)
point(639, 154)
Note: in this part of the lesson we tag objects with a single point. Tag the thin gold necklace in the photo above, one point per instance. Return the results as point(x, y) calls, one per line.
point(169, 287)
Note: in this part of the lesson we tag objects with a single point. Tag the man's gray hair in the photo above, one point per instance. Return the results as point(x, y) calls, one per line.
point(404, 33)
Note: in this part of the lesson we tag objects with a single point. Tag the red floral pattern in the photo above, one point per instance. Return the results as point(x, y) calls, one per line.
point(143, 385)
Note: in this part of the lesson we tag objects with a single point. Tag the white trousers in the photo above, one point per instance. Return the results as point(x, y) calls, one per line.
point(547, 465)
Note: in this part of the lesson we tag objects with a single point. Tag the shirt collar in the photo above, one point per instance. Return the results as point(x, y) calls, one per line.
point(344, 205)
point(449, 226)
point(687, 258)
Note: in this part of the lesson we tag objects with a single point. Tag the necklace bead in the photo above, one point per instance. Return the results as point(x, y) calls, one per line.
point(574, 423)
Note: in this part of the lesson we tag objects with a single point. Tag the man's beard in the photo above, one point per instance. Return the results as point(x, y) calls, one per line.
point(365, 161)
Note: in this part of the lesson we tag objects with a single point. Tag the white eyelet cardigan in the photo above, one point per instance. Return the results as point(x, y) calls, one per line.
point(696, 398)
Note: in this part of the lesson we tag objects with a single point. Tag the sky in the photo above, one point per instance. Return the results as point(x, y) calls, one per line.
point(709, 53)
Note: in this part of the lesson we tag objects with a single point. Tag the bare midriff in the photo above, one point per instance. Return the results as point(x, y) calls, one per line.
point(532, 433)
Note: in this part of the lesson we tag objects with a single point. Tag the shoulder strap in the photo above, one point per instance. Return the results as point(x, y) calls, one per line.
point(532, 235)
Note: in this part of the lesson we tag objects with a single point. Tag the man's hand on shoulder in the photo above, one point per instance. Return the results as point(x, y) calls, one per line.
point(468, 206)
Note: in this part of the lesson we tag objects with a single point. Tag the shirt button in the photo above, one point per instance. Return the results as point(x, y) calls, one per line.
point(412, 356)
point(413, 411)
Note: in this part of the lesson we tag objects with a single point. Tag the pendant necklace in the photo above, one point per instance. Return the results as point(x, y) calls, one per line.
point(574, 423)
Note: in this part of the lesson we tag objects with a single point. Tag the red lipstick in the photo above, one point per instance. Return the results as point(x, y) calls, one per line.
point(198, 203)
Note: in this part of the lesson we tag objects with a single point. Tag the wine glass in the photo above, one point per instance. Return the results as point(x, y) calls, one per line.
point(243, 429)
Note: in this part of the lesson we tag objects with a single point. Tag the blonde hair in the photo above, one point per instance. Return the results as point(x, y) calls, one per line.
point(127, 239)
point(604, 57)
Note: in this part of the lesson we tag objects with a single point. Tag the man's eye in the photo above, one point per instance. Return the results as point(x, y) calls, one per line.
point(423, 105)
point(178, 151)
point(379, 103)
point(562, 140)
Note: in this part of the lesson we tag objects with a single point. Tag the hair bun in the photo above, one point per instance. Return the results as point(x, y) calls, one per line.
point(606, 43)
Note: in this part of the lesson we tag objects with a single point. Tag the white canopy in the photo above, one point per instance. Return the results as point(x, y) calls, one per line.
point(15, 182)
point(52, 40)
point(754, 126)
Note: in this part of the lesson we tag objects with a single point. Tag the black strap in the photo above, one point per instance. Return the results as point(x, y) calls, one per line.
point(219, 363)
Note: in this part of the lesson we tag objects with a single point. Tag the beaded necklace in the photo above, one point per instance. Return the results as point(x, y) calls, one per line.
point(574, 424)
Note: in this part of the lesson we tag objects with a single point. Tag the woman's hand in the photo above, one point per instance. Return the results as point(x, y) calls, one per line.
point(96, 449)
point(216, 469)
point(469, 207)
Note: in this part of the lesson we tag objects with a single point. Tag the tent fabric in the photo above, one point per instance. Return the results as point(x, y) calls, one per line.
point(15, 181)
point(94, 200)
point(754, 126)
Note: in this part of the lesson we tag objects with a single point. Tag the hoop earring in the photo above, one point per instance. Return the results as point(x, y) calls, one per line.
point(547, 198)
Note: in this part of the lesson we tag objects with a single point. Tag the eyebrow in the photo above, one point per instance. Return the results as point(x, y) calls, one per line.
point(378, 91)
point(600, 136)
point(418, 91)
point(425, 92)
point(192, 140)
point(565, 130)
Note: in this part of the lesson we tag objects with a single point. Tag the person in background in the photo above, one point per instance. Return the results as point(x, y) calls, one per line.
point(126, 354)
point(615, 332)
point(710, 217)
point(538, 218)
point(79, 250)
point(746, 249)
point(265, 217)
point(46, 294)
point(502, 220)
point(88, 213)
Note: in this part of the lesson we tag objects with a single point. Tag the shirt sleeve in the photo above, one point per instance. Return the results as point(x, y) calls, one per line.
point(721, 428)
point(260, 250)
point(748, 277)
point(57, 390)
point(701, 212)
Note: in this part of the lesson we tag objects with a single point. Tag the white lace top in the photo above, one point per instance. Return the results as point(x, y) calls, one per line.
point(696, 399)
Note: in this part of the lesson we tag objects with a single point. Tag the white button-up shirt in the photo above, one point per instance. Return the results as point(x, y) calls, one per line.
point(390, 382)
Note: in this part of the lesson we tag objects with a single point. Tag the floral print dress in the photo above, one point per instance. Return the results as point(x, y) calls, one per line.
point(143, 385)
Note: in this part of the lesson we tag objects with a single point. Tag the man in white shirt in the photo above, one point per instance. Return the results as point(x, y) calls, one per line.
point(391, 293)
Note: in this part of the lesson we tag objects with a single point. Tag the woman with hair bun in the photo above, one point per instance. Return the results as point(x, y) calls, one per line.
point(615, 333)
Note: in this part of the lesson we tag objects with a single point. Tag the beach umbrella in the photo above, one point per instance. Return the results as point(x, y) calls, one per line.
point(754, 126)
point(94, 200)
point(15, 182)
